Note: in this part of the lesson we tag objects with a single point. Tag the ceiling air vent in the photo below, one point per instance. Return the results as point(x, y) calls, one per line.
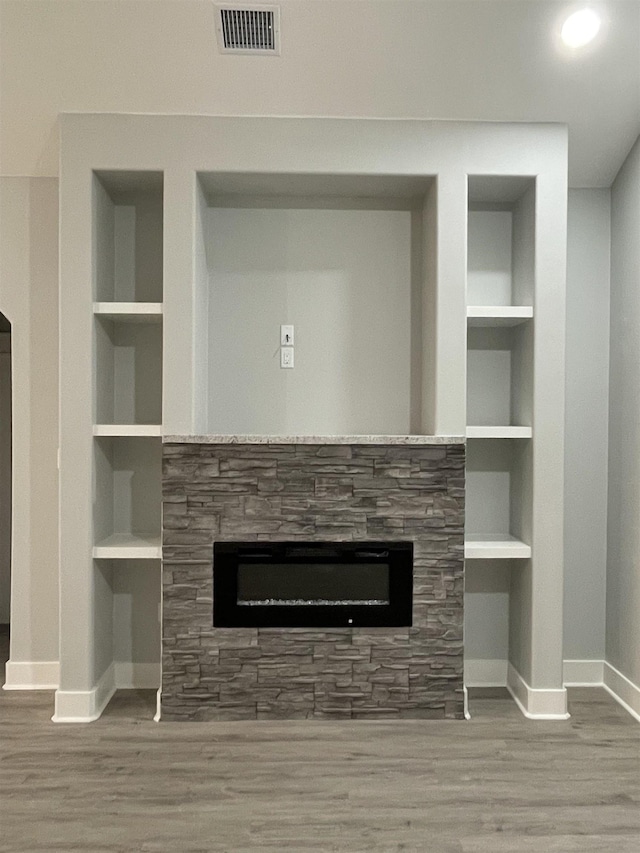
point(249, 29)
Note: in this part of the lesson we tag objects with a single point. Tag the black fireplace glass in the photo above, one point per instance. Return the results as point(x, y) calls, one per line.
point(293, 584)
point(290, 584)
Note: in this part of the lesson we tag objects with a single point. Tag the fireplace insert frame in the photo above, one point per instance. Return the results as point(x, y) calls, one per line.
point(229, 613)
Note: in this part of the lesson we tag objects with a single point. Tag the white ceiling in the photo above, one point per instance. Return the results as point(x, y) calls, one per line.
point(495, 60)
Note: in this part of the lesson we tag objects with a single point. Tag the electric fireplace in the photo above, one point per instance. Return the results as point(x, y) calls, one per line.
point(312, 584)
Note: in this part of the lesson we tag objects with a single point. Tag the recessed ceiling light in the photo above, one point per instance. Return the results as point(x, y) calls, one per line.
point(580, 28)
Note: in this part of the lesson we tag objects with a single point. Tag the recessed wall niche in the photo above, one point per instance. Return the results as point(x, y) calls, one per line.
point(128, 387)
point(501, 235)
point(127, 615)
point(498, 479)
point(127, 490)
point(127, 236)
point(499, 375)
point(341, 259)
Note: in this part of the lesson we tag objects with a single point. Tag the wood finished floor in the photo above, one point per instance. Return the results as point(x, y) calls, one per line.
point(497, 783)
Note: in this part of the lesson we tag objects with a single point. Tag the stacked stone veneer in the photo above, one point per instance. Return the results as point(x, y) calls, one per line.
point(308, 492)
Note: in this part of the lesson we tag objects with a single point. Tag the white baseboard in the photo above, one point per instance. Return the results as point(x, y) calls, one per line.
point(535, 703)
point(493, 673)
point(623, 690)
point(32, 675)
point(485, 673)
point(136, 676)
point(85, 706)
point(583, 673)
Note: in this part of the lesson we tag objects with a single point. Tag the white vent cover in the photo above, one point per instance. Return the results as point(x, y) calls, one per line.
point(249, 29)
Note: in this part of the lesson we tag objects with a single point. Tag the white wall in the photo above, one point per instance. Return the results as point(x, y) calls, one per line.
point(382, 58)
point(29, 300)
point(586, 423)
point(343, 279)
point(623, 561)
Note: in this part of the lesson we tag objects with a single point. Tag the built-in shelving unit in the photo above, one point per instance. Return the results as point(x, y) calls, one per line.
point(500, 384)
point(179, 259)
point(127, 427)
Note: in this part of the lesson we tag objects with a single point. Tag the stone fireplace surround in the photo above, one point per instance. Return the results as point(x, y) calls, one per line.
point(349, 488)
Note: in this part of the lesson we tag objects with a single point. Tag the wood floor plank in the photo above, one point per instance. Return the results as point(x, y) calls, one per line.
point(496, 784)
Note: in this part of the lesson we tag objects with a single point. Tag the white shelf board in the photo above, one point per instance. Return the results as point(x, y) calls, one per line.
point(496, 548)
point(499, 432)
point(137, 430)
point(124, 546)
point(498, 315)
point(129, 312)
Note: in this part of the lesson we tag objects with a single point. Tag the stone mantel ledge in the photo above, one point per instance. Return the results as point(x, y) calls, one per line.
point(411, 440)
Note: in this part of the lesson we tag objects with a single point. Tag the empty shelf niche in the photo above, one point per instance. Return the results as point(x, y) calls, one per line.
point(127, 236)
point(128, 385)
point(500, 241)
point(127, 497)
point(127, 602)
point(498, 499)
point(486, 623)
point(500, 378)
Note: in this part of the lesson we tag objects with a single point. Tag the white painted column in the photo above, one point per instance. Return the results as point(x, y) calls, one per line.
point(183, 405)
point(450, 363)
point(548, 428)
point(76, 697)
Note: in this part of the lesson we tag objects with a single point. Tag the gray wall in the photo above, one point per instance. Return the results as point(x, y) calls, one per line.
point(29, 300)
point(586, 423)
point(623, 566)
point(343, 279)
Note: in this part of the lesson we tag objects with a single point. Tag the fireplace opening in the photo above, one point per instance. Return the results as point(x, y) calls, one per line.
point(318, 584)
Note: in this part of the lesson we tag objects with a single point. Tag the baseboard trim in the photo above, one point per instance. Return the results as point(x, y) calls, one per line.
point(85, 706)
point(623, 690)
point(494, 673)
point(537, 704)
point(465, 697)
point(583, 673)
point(136, 676)
point(485, 673)
point(32, 675)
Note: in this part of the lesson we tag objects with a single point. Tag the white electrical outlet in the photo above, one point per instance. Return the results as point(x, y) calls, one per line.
point(286, 336)
point(286, 357)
